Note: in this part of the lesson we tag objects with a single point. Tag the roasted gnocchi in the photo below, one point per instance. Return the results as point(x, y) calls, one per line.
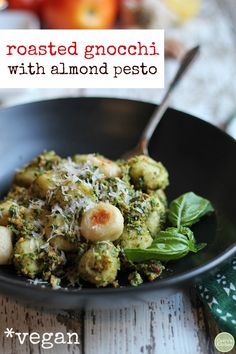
point(69, 220)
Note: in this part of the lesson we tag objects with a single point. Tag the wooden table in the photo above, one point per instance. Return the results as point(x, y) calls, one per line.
point(178, 324)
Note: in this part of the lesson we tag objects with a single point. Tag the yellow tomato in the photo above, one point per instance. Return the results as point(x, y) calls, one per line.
point(184, 9)
point(2, 4)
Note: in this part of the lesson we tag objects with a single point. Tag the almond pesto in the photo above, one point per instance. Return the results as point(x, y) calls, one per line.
point(88, 221)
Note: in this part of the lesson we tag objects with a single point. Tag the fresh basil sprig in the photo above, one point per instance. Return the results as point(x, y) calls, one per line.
point(168, 245)
point(188, 209)
point(177, 241)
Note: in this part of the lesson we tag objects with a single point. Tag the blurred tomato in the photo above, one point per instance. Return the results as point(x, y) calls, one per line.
point(84, 14)
point(31, 5)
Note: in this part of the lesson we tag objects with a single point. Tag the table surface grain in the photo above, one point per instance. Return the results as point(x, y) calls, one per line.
point(178, 324)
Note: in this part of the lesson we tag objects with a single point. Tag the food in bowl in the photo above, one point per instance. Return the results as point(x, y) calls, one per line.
point(88, 221)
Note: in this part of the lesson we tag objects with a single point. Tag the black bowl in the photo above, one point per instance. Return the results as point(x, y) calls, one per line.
point(198, 156)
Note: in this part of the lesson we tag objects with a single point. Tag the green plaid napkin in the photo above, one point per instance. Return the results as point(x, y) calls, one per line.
point(218, 292)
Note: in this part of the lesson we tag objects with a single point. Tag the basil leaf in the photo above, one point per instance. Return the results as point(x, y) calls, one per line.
point(188, 209)
point(193, 245)
point(164, 254)
point(184, 234)
point(170, 233)
point(168, 245)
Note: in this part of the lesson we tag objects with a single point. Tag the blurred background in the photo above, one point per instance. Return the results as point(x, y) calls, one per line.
point(209, 89)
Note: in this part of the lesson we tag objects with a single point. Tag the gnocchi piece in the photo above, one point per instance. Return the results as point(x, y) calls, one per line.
point(155, 220)
point(147, 173)
point(4, 211)
point(51, 261)
point(44, 162)
point(136, 236)
point(65, 194)
point(56, 224)
point(26, 256)
point(160, 194)
point(102, 222)
point(42, 184)
point(58, 228)
point(47, 159)
point(17, 216)
point(80, 158)
point(100, 264)
point(25, 177)
point(6, 246)
point(63, 244)
point(107, 167)
point(157, 216)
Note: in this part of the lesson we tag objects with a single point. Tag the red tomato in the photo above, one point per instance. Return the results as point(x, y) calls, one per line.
point(31, 5)
point(84, 14)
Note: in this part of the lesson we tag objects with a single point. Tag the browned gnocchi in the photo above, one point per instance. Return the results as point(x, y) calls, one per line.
point(69, 220)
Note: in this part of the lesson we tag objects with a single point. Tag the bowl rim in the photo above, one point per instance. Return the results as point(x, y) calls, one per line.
point(171, 281)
